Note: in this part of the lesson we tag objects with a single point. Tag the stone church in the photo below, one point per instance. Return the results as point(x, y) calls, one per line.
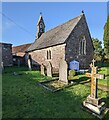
point(70, 40)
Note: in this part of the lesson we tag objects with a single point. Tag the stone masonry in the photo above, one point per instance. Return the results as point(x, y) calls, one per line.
point(6, 50)
point(71, 41)
point(58, 52)
point(72, 45)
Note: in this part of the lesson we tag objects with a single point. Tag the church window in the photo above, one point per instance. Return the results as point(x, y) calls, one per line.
point(82, 48)
point(48, 54)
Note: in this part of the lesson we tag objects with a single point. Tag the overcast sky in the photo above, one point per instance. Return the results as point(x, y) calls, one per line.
point(19, 19)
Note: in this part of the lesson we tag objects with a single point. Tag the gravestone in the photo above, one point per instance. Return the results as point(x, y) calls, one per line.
point(42, 69)
point(49, 69)
point(93, 103)
point(29, 64)
point(63, 71)
point(18, 62)
point(2, 66)
point(74, 65)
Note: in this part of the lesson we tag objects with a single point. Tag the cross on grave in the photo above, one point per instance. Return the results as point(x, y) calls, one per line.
point(94, 76)
point(93, 103)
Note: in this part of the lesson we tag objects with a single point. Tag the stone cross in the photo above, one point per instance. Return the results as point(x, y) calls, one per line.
point(63, 71)
point(94, 76)
point(42, 69)
point(49, 69)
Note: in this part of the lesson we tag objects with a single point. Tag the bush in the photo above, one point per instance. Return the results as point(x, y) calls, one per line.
point(72, 73)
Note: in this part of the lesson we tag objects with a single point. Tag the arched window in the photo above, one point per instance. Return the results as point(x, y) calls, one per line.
point(82, 48)
point(48, 54)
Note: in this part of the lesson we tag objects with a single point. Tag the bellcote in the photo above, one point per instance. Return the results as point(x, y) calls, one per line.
point(40, 27)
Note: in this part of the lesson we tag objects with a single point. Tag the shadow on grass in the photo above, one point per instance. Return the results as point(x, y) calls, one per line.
point(14, 69)
point(22, 98)
point(81, 80)
point(35, 102)
point(100, 64)
point(106, 100)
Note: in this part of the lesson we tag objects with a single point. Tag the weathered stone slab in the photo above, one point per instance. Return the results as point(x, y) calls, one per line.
point(96, 109)
point(63, 71)
point(2, 66)
point(93, 101)
point(49, 69)
point(18, 63)
point(42, 69)
point(29, 64)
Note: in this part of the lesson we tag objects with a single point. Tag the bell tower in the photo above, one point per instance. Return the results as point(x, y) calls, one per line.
point(40, 26)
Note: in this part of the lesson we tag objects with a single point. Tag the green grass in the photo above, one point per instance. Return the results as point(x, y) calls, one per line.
point(24, 98)
point(103, 70)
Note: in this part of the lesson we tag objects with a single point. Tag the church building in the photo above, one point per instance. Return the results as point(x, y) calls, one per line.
point(70, 40)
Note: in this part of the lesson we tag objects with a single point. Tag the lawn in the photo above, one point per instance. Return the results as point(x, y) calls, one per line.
point(24, 98)
point(103, 70)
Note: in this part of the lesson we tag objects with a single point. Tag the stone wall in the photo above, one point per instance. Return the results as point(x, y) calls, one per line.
point(40, 56)
point(68, 50)
point(72, 45)
point(6, 54)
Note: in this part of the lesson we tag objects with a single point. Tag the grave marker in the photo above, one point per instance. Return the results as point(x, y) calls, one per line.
point(18, 62)
point(49, 69)
point(2, 66)
point(93, 102)
point(42, 69)
point(29, 64)
point(63, 71)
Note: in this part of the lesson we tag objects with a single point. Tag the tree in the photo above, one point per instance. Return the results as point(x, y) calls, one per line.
point(98, 51)
point(106, 38)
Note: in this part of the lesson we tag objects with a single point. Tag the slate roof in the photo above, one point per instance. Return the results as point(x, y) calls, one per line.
point(20, 48)
point(55, 36)
point(40, 18)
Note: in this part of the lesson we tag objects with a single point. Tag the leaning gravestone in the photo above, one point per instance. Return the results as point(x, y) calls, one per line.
point(49, 69)
point(42, 69)
point(29, 64)
point(63, 71)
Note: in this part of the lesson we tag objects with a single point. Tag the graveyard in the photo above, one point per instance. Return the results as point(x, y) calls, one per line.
point(23, 97)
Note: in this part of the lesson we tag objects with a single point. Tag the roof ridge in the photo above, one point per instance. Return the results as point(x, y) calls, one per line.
point(23, 45)
point(56, 35)
point(63, 23)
